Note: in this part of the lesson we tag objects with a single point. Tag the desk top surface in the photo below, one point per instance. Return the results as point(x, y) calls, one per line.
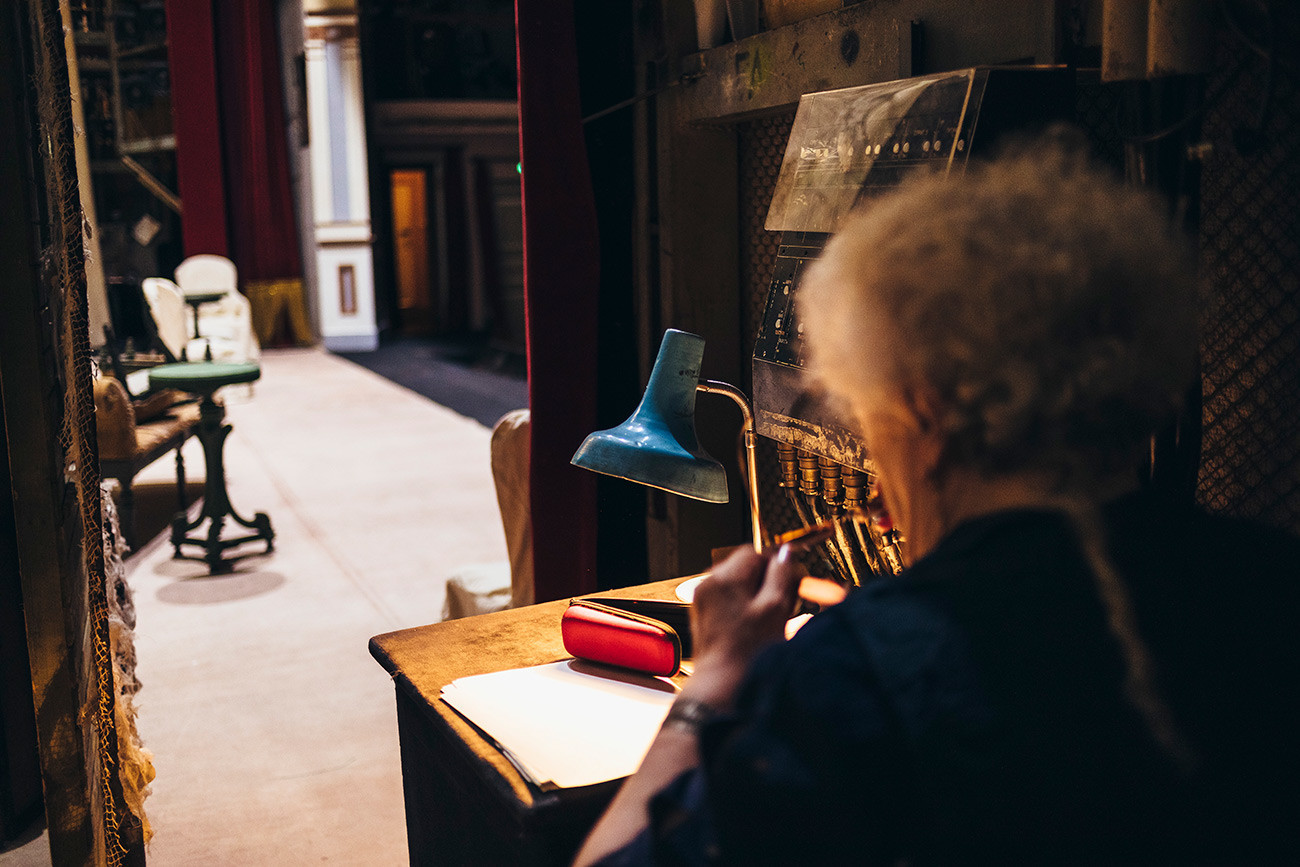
point(424, 659)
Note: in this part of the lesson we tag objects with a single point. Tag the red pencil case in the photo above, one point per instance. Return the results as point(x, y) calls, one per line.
point(605, 634)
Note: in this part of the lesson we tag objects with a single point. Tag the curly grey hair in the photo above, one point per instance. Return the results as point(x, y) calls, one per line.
point(1046, 308)
point(1045, 312)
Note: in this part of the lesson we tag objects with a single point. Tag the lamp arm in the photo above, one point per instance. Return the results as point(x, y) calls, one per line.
point(711, 386)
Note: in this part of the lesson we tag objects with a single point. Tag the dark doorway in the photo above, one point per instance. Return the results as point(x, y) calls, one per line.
point(413, 252)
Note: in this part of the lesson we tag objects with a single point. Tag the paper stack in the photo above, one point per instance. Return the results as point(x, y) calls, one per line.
point(568, 723)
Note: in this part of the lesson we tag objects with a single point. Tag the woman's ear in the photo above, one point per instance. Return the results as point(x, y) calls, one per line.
point(923, 406)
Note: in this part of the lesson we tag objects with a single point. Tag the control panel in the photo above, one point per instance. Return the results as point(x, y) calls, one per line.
point(846, 147)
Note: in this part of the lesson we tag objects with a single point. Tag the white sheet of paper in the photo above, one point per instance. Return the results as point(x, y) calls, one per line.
point(567, 723)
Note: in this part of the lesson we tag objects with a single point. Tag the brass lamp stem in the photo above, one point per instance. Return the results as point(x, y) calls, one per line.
point(710, 386)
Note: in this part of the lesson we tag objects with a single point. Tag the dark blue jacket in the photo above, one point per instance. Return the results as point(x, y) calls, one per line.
point(975, 710)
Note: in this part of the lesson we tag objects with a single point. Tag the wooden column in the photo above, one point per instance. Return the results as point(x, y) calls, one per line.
point(345, 269)
point(46, 524)
point(697, 289)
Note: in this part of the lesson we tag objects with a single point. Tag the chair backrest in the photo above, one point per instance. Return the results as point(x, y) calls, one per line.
point(114, 420)
point(207, 273)
point(167, 306)
point(510, 455)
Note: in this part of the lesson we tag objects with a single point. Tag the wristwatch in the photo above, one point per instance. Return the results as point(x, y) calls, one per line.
point(690, 714)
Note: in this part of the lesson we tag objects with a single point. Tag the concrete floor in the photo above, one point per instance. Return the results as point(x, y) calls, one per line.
point(272, 729)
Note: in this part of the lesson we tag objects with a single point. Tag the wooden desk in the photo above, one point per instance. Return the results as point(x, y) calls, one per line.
point(465, 804)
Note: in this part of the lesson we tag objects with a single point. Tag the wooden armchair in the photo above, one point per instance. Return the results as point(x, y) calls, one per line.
point(133, 435)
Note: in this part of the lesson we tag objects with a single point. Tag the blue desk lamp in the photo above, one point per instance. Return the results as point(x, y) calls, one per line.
point(658, 447)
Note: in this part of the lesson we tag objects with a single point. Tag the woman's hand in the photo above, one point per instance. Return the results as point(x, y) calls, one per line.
point(741, 607)
point(737, 610)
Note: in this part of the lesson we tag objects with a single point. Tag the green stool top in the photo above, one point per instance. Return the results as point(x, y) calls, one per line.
point(203, 376)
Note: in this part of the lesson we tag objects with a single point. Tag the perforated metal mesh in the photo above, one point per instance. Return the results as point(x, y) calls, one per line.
point(1250, 257)
point(761, 147)
point(1095, 108)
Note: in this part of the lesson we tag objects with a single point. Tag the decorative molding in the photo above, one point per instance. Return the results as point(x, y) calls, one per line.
point(333, 234)
point(330, 28)
point(485, 127)
point(865, 43)
point(770, 71)
point(348, 290)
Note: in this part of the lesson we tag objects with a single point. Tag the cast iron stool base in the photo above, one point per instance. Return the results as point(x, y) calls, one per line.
point(216, 501)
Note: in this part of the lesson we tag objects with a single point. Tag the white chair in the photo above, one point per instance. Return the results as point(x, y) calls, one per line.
point(224, 337)
point(228, 321)
point(228, 324)
point(480, 588)
point(207, 273)
point(170, 316)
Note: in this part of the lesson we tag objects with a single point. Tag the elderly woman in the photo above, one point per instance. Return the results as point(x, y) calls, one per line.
point(1072, 669)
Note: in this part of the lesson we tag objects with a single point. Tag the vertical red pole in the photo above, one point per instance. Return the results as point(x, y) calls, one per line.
point(561, 277)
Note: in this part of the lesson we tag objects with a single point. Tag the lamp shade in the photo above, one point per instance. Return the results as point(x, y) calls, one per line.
point(657, 446)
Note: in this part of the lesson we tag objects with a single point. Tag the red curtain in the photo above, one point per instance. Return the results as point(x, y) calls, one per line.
point(196, 119)
point(561, 275)
point(260, 216)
